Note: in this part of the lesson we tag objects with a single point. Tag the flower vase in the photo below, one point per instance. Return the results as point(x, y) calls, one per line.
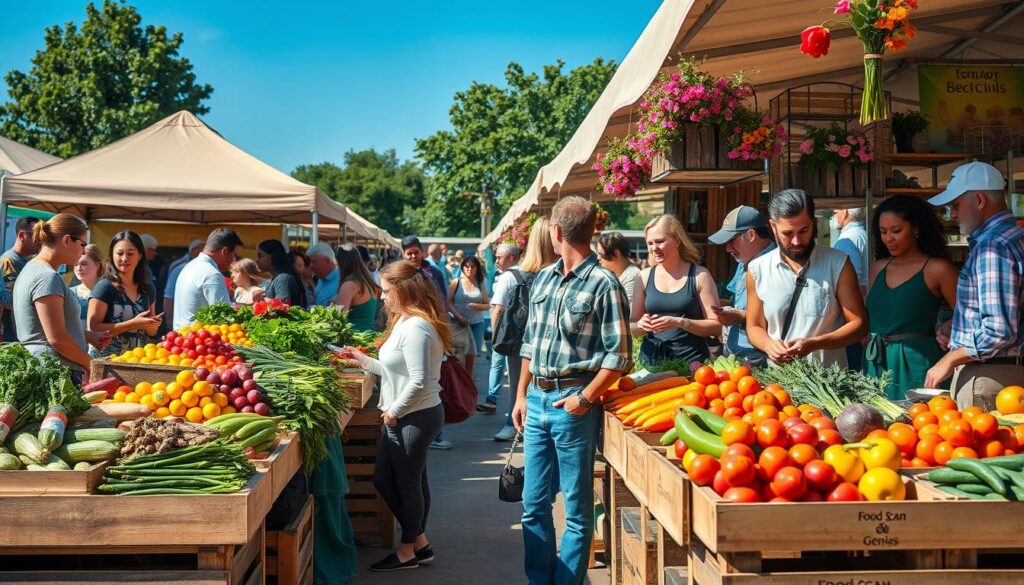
point(873, 107)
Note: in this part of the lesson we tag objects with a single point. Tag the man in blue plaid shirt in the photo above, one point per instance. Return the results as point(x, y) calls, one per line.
point(576, 344)
point(986, 341)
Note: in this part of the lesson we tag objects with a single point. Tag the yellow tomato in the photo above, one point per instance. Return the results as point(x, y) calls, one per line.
point(132, 397)
point(206, 400)
point(185, 378)
point(147, 401)
point(119, 396)
point(162, 412)
point(189, 398)
point(174, 390)
point(177, 408)
point(211, 410)
point(143, 388)
point(185, 363)
point(194, 414)
point(203, 388)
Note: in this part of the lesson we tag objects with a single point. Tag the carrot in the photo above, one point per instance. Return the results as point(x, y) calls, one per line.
point(625, 383)
point(628, 397)
point(657, 409)
point(664, 383)
point(674, 392)
point(660, 423)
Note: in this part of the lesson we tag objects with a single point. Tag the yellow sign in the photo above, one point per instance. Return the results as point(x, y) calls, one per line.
point(955, 99)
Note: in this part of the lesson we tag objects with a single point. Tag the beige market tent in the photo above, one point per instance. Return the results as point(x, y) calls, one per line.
point(760, 38)
point(16, 158)
point(178, 169)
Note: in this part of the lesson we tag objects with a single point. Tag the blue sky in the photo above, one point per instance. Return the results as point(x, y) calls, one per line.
point(304, 81)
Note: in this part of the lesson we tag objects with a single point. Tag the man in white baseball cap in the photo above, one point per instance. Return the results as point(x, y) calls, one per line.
point(986, 340)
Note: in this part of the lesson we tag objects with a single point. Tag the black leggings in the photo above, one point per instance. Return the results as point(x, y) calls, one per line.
point(400, 474)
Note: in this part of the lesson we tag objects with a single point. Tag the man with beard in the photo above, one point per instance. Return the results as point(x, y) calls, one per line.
point(802, 301)
point(986, 341)
point(745, 236)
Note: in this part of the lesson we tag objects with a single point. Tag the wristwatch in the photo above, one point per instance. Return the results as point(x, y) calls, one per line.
point(583, 400)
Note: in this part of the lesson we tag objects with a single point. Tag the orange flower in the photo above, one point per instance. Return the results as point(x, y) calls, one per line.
point(909, 31)
point(898, 13)
point(895, 44)
point(884, 24)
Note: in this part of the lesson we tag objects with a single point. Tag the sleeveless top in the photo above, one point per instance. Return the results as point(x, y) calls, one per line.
point(908, 311)
point(464, 298)
point(685, 302)
point(363, 317)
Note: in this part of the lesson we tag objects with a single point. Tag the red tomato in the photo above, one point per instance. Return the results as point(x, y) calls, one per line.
point(722, 376)
point(827, 438)
point(820, 475)
point(844, 492)
point(823, 422)
point(789, 483)
point(741, 450)
point(680, 448)
point(719, 484)
point(705, 375)
point(738, 470)
point(742, 495)
point(772, 460)
point(703, 469)
point(792, 421)
point(779, 500)
point(812, 496)
point(803, 433)
point(771, 433)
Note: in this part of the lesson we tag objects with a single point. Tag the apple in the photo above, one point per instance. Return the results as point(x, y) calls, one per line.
point(254, 396)
point(261, 408)
point(249, 385)
point(240, 403)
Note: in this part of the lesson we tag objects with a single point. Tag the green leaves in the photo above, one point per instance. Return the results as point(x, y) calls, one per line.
point(33, 384)
point(91, 86)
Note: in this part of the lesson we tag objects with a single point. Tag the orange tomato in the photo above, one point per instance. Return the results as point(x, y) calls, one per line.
point(918, 462)
point(958, 433)
point(802, 454)
point(737, 431)
point(694, 398)
point(925, 418)
point(1010, 400)
point(765, 412)
point(1018, 432)
point(783, 397)
point(712, 392)
point(749, 385)
point(765, 397)
point(749, 418)
point(940, 404)
point(878, 434)
point(705, 375)
point(728, 387)
point(926, 448)
point(943, 452)
point(991, 448)
point(790, 410)
point(928, 429)
point(716, 406)
point(948, 415)
point(916, 409)
point(732, 413)
point(733, 400)
point(985, 425)
point(1009, 438)
point(773, 459)
point(964, 453)
point(771, 432)
point(738, 373)
point(971, 411)
point(748, 403)
point(904, 436)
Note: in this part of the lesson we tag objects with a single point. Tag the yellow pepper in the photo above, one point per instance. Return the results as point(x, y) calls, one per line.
point(846, 463)
point(878, 452)
point(882, 483)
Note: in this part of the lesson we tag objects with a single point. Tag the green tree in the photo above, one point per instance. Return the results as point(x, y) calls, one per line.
point(92, 86)
point(500, 137)
point(375, 184)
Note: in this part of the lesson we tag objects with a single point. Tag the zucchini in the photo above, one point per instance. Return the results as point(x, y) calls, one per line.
point(994, 496)
point(95, 397)
point(57, 464)
point(26, 444)
point(668, 438)
point(1013, 477)
point(9, 462)
point(708, 420)
point(34, 467)
point(974, 488)
point(982, 471)
point(951, 476)
point(1016, 493)
point(697, 438)
point(110, 435)
point(51, 431)
point(90, 451)
point(1011, 462)
point(260, 437)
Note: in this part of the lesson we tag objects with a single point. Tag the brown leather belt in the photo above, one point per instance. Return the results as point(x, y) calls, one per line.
point(548, 384)
point(1004, 361)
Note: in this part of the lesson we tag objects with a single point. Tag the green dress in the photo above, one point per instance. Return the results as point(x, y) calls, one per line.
point(363, 317)
point(910, 312)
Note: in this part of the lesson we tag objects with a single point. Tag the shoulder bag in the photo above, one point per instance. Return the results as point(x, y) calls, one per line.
point(458, 391)
point(510, 482)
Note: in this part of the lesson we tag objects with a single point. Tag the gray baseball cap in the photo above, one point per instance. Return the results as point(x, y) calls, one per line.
point(738, 221)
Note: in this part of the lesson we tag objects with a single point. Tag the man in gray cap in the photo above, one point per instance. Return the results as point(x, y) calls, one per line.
point(745, 236)
point(986, 340)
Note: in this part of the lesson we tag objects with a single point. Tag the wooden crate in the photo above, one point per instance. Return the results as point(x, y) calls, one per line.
point(619, 497)
point(675, 576)
point(637, 448)
point(613, 450)
point(289, 552)
point(701, 157)
point(370, 516)
point(670, 556)
point(48, 483)
point(132, 374)
point(668, 494)
point(283, 463)
point(639, 548)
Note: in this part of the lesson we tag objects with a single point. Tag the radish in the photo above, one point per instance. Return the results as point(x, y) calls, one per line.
point(240, 403)
point(248, 409)
point(249, 385)
point(261, 408)
point(254, 396)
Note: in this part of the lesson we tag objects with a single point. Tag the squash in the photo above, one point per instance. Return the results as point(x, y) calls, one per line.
point(91, 451)
point(29, 446)
point(9, 462)
point(51, 431)
point(110, 435)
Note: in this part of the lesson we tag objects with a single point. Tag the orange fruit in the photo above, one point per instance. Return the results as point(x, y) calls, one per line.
point(132, 397)
point(749, 385)
point(943, 452)
point(925, 418)
point(948, 415)
point(205, 400)
point(985, 425)
point(916, 409)
point(926, 448)
point(210, 411)
point(728, 387)
point(765, 412)
point(120, 395)
point(202, 388)
point(220, 399)
point(971, 411)
point(189, 399)
point(228, 410)
point(194, 414)
point(160, 397)
point(147, 401)
point(185, 378)
point(143, 388)
point(958, 433)
point(162, 412)
point(765, 397)
point(737, 431)
point(964, 453)
point(174, 390)
point(941, 403)
point(1010, 400)
point(712, 392)
point(802, 454)
point(738, 373)
point(177, 408)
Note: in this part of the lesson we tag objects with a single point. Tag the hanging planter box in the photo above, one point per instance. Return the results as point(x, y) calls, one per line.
point(819, 181)
point(702, 157)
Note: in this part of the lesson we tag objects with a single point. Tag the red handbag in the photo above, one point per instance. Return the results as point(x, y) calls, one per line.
point(458, 391)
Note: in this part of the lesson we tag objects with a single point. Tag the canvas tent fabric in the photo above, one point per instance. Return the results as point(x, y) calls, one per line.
point(178, 169)
point(16, 158)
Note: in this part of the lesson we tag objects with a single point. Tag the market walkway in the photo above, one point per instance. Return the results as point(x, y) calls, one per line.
point(476, 537)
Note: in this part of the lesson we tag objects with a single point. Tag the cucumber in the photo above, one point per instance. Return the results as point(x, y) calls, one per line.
point(669, 437)
point(110, 435)
point(9, 462)
point(951, 476)
point(710, 421)
point(982, 471)
point(1012, 477)
point(697, 438)
point(960, 494)
point(994, 496)
point(974, 488)
point(1014, 462)
point(1016, 492)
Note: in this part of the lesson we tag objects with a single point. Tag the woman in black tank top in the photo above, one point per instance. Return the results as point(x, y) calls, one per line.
point(674, 323)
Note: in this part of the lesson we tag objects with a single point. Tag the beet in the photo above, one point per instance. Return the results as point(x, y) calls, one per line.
point(228, 377)
point(857, 420)
point(261, 408)
point(254, 396)
point(249, 385)
point(240, 403)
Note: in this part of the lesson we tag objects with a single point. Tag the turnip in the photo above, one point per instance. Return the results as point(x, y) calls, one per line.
point(254, 396)
point(261, 408)
point(249, 385)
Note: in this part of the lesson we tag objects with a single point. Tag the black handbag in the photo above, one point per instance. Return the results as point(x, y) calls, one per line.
point(510, 483)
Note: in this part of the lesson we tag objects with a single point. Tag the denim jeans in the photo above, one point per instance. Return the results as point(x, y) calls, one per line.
point(515, 368)
point(556, 442)
point(477, 330)
point(496, 377)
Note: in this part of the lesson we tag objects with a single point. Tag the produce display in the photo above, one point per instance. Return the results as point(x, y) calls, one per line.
point(211, 467)
point(196, 345)
point(149, 436)
point(29, 386)
point(998, 478)
point(283, 328)
point(831, 389)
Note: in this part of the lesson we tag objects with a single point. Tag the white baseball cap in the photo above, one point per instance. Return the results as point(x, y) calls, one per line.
point(973, 176)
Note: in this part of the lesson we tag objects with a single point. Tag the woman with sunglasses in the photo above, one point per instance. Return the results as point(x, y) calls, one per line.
point(45, 310)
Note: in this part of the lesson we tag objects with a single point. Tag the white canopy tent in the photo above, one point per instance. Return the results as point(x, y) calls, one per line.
point(178, 169)
point(16, 158)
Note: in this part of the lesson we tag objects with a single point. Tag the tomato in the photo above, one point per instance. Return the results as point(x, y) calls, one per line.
point(719, 484)
point(820, 475)
point(822, 422)
point(925, 418)
point(771, 433)
point(772, 460)
point(917, 462)
point(803, 433)
point(716, 406)
point(991, 448)
point(749, 419)
point(764, 412)
point(694, 398)
point(741, 495)
point(964, 453)
point(925, 449)
point(941, 403)
point(703, 469)
point(738, 373)
point(789, 483)
point(827, 438)
point(812, 496)
point(792, 420)
point(844, 492)
point(959, 433)
point(971, 411)
point(728, 387)
point(745, 451)
point(943, 452)
point(948, 415)
point(748, 403)
point(732, 413)
point(783, 397)
point(985, 425)
point(712, 392)
point(722, 376)
point(750, 385)
point(904, 436)
point(737, 431)
point(738, 471)
point(916, 409)
point(680, 448)
point(878, 434)
point(1009, 438)
point(802, 453)
point(705, 375)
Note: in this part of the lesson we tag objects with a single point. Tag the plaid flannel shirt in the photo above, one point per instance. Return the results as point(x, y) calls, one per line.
point(988, 320)
point(578, 322)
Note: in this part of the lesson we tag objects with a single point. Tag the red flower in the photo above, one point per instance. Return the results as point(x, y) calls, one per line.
point(815, 41)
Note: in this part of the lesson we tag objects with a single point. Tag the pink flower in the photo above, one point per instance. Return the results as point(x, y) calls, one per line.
point(842, 7)
point(807, 146)
point(865, 157)
point(844, 151)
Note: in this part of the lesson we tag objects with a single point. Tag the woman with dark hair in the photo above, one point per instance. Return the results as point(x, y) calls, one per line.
point(467, 296)
point(285, 285)
point(613, 253)
point(910, 280)
point(123, 303)
point(358, 291)
point(304, 271)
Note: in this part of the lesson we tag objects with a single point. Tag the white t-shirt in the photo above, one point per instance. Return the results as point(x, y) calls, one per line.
point(503, 286)
point(628, 280)
point(409, 367)
point(199, 284)
point(817, 311)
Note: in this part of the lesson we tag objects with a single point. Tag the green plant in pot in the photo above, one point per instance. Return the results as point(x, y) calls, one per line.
point(904, 126)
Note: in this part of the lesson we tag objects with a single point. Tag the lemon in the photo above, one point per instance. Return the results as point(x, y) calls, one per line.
point(189, 398)
point(147, 401)
point(173, 360)
point(162, 412)
point(194, 414)
point(143, 388)
point(139, 352)
point(159, 386)
point(185, 378)
point(211, 410)
point(203, 388)
point(220, 399)
point(177, 408)
point(174, 390)
point(120, 395)
point(160, 397)
point(132, 397)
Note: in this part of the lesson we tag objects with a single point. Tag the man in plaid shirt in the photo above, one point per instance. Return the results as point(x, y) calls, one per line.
point(576, 344)
point(986, 341)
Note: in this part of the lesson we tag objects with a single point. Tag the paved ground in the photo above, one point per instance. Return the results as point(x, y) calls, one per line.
point(476, 537)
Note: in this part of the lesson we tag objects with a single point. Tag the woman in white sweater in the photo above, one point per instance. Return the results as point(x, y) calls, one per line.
point(410, 369)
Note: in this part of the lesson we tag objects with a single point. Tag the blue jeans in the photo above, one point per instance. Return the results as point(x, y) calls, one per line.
point(477, 330)
point(558, 442)
point(496, 377)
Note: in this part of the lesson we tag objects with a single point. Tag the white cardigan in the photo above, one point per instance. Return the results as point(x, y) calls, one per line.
point(409, 367)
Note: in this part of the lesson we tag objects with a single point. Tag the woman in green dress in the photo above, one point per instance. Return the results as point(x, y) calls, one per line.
point(911, 279)
point(358, 292)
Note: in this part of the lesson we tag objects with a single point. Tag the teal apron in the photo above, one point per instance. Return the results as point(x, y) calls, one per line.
point(334, 548)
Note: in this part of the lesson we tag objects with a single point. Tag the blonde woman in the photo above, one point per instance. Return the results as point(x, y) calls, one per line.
point(672, 302)
point(248, 279)
point(88, 271)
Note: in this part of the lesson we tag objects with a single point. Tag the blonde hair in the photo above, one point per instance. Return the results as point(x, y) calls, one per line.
point(674, 228)
point(250, 269)
point(417, 296)
point(540, 253)
point(50, 232)
point(93, 252)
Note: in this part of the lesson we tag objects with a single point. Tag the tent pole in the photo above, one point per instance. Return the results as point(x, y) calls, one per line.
point(3, 211)
point(315, 233)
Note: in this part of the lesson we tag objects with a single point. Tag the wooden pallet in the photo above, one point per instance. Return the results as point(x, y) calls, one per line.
point(289, 552)
point(639, 548)
point(370, 516)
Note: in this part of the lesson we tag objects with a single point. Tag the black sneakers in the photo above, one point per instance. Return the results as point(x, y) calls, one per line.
point(487, 407)
point(391, 563)
point(425, 555)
